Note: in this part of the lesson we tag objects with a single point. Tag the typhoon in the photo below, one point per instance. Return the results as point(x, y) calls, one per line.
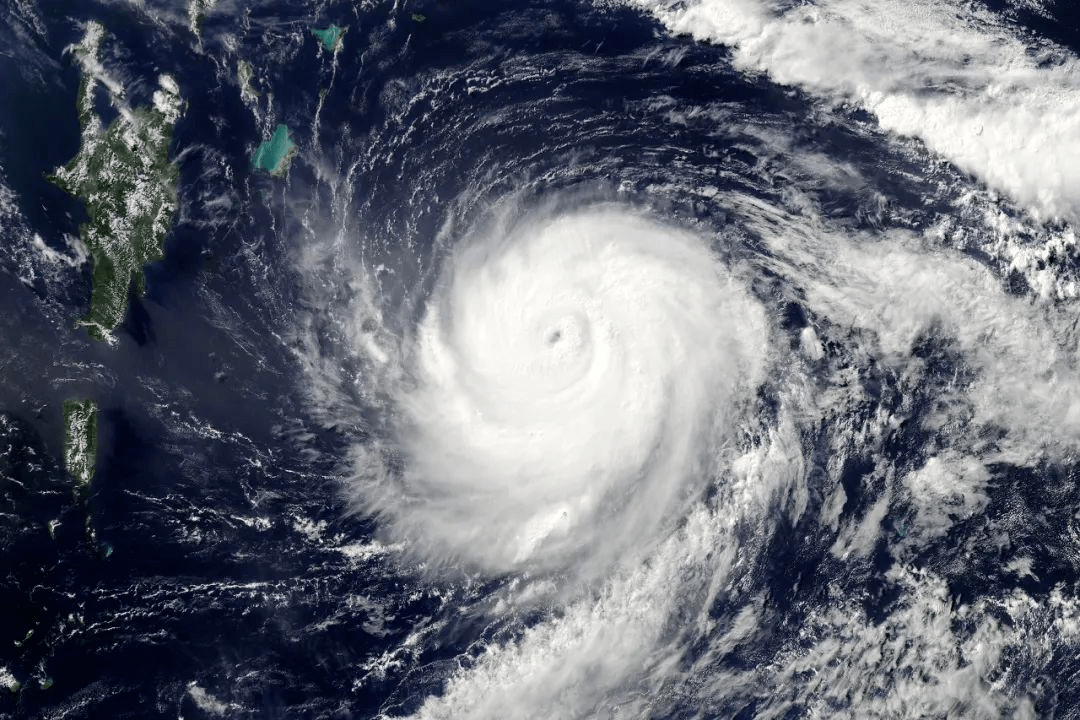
point(722, 415)
point(547, 359)
point(569, 387)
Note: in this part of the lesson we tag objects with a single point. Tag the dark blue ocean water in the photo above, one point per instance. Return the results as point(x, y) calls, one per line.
point(208, 552)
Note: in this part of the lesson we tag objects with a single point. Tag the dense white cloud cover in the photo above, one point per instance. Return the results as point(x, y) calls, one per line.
point(995, 103)
point(553, 362)
point(565, 392)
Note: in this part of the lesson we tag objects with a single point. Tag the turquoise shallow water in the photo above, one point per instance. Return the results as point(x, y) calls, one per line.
point(876, 550)
point(273, 152)
point(329, 36)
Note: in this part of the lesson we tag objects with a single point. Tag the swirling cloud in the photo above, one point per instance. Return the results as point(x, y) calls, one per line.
point(568, 381)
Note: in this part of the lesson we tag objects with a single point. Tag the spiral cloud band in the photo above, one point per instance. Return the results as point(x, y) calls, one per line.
point(694, 469)
point(565, 372)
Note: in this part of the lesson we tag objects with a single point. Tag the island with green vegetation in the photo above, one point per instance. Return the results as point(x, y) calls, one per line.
point(275, 154)
point(125, 178)
point(7, 680)
point(330, 37)
point(244, 75)
point(80, 441)
point(197, 9)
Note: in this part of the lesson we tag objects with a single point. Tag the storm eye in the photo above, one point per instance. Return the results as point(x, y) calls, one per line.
point(554, 337)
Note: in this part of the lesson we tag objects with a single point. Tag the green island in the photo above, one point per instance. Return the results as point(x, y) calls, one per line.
point(196, 10)
point(244, 75)
point(275, 154)
point(80, 441)
point(123, 175)
point(330, 37)
point(7, 680)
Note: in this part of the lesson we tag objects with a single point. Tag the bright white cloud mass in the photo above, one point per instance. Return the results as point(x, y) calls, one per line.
point(1002, 107)
point(658, 359)
point(560, 388)
point(605, 411)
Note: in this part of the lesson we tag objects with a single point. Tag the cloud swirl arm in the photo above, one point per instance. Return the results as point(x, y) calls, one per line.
point(563, 377)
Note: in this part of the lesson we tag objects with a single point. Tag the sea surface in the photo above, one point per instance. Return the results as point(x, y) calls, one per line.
point(605, 359)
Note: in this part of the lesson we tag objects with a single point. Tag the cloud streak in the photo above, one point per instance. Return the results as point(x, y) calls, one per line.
point(994, 103)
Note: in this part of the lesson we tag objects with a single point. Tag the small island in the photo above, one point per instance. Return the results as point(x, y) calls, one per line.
point(80, 441)
point(244, 75)
point(275, 154)
point(197, 10)
point(330, 37)
point(7, 680)
point(124, 176)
